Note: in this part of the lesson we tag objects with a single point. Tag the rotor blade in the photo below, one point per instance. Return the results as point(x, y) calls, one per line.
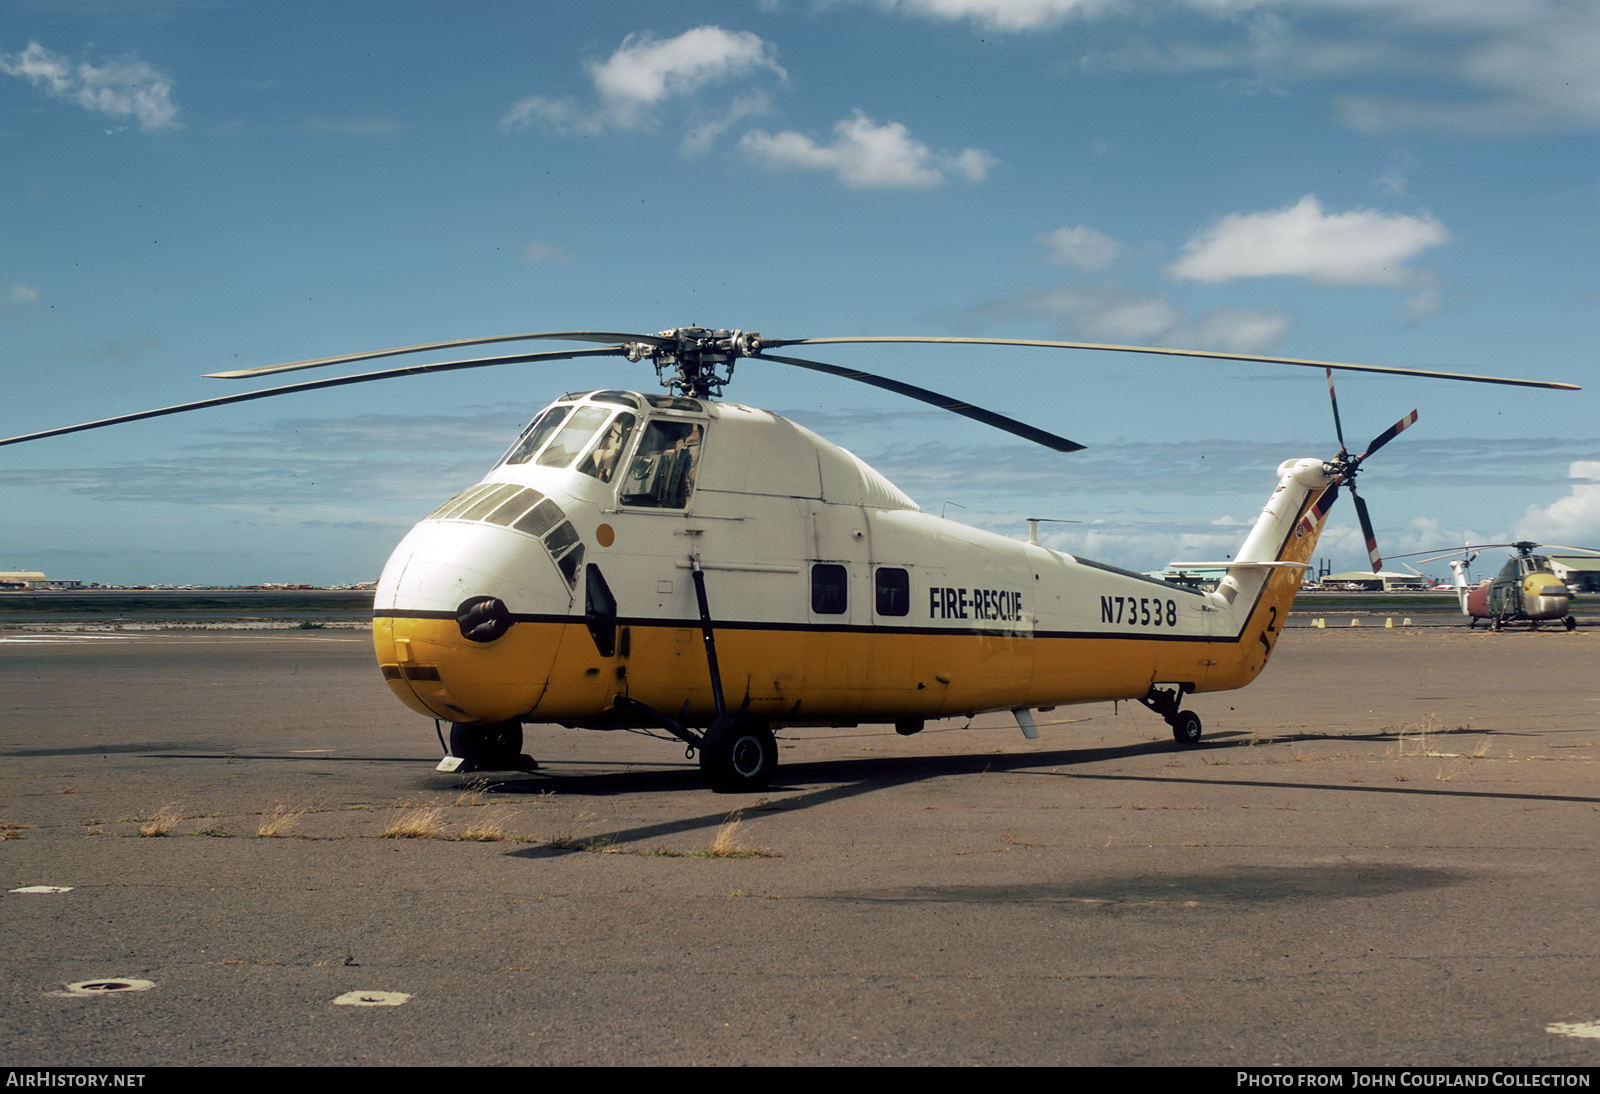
point(1338, 427)
point(1366, 529)
point(1388, 435)
point(561, 335)
point(314, 385)
point(933, 398)
point(1453, 552)
point(1211, 354)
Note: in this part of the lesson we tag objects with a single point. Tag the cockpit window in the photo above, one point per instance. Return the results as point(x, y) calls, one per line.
point(537, 434)
point(662, 474)
point(573, 437)
point(601, 462)
point(674, 402)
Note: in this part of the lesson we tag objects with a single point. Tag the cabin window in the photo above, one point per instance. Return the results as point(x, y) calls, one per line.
point(583, 424)
point(892, 588)
point(830, 589)
point(601, 462)
point(662, 474)
point(537, 434)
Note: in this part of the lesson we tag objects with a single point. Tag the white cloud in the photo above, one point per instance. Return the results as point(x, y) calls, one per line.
point(1471, 67)
point(1082, 246)
point(864, 154)
point(747, 105)
point(1362, 247)
point(1530, 66)
point(23, 295)
point(1008, 15)
point(1108, 313)
point(1572, 520)
point(125, 88)
point(645, 72)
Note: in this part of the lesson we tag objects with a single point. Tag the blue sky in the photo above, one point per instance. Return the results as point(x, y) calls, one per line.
point(193, 185)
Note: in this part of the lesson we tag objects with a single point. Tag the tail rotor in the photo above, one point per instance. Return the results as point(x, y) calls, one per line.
point(1345, 466)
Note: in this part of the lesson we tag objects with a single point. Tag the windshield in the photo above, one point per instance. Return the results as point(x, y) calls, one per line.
point(573, 437)
point(537, 434)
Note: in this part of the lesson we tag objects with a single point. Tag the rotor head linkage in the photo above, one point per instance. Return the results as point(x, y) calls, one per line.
point(695, 361)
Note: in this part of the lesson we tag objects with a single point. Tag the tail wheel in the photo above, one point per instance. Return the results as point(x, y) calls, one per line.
point(487, 746)
point(1186, 727)
point(738, 753)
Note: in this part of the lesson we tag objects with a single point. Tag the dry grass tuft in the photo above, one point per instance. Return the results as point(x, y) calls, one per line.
point(490, 828)
point(278, 822)
point(162, 821)
point(12, 829)
point(1482, 748)
point(727, 845)
point(423, 822)
point(472, 792)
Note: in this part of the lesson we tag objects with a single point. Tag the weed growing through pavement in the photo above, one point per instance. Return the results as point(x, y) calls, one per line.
point(162, 821)
point(727, 845)
point(489, 828)
point(278, 822)
point(421, 822)
point(12, 829)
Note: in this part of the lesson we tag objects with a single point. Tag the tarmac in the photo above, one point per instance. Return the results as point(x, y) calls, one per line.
point(1382, 853)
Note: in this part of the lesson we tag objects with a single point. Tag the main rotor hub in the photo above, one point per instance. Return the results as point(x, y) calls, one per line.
point(695, 361)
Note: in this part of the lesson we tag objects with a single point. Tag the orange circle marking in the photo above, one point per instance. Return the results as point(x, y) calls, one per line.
point(605, 535)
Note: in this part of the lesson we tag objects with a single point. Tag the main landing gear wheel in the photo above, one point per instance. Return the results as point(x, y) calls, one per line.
point(738, 753)
point(1185, 727)
point(1570, 622)
point(493, 746)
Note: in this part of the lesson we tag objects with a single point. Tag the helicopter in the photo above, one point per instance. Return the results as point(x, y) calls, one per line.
point(674, 562)
point(1526, 590)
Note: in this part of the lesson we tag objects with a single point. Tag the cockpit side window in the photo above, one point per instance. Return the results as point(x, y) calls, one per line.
point(537, 434)
point(601, 462)
point(573, 437)
point(663, 470)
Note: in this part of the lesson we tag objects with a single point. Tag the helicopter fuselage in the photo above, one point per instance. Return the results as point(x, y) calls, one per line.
point(562, 588)
point(1526, 589)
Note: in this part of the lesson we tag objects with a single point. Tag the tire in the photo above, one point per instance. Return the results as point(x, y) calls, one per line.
point(738, 753)
point(1571, 622)
point(1186, 727)
point(492, 746)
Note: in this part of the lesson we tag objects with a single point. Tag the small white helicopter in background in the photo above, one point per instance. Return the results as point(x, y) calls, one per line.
point(676, 562)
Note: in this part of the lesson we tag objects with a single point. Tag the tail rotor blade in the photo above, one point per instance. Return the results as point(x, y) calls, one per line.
point(1366, 530)
point(1387, 435)
point(1338, 427)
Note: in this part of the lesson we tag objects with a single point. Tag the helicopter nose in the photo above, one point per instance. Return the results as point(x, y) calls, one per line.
point(468, 620)
point(1544, 596)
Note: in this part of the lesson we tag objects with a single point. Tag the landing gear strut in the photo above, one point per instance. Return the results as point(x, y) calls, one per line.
point(737, 751)
point(1166, 702)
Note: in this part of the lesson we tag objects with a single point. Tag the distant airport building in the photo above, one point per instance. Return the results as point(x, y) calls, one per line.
point(1388, 581)
point(1580, 572)
point(33, 579)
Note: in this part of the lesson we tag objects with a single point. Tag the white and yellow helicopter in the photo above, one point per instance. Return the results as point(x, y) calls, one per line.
point(677, 562)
